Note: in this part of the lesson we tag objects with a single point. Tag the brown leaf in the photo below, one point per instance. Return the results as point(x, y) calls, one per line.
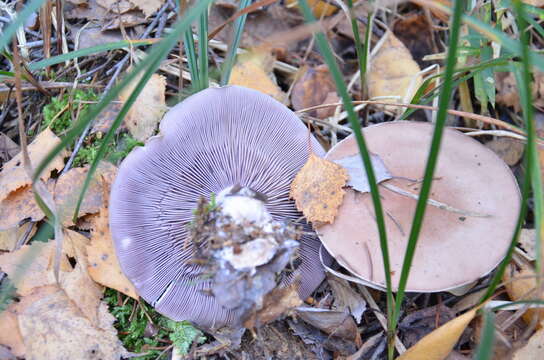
point(345, 298)
point(318, 189)
point(319, 7)
point(315, 87)
point(147, 110)
point(521, 285)
point(77, 284)
point(13, 175)
point(439, 343)
point(416, 34)
point(10, 335)
point(393, 72)
point(534, 349)
point(8, 148)
point(252, 71)
point(30, 266)
point(275, 304)
point(68, 189)
point(104, 267)
point(117, 6)
point(334, 323)
point(9, 238)
point(52, 327)
point(509, 150)
point(508, 93)
point(149, 7)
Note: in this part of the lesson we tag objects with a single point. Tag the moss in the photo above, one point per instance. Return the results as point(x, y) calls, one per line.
point(58, 113)
point(143, 330)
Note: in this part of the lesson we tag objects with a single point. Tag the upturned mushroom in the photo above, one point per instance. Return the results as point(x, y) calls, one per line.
point(465, 234)
point(233, 142)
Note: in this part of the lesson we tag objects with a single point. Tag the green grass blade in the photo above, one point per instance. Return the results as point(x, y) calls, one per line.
point(189, 45)
point(203, 51)
point(80, 125)
point(231, 53)
point(444, 99)
point(38, 65)
point(148, 66)
point(485, 347)
point(362, 52)
point(365, 155)
point(19, 20)
point(532, 174)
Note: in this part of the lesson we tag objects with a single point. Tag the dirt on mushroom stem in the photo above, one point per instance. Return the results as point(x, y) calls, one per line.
point(241, 249)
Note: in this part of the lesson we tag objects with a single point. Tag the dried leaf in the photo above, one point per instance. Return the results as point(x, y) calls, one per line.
point(117, 6)
point(149, 7)
point(317, 189)
point(334, 323)
point(393, 72)
point(521, 285)
point(346, 298)
point(357, 174)
point(10, 335)
point(252, 71)
point(533, 350)
point(147, 110)
point(104, 267)
point(53, 328)
point(89, 10)
point(416, 34)
point(19, 205)
point(319, 7)
point(275, 304)
point(8, 238)
point(422, 322)
point(68, 189)
point(13, 175)
point(508, 93)
point(509, 150)
point(439, 343)
point(527, 240)
point(313, 88)
point(30, 266)
point(8, 148)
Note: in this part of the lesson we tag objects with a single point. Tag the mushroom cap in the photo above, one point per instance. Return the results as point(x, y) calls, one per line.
point(214, 139)
point(452, 250)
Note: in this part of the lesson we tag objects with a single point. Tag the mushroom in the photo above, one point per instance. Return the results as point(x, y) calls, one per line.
point(453, 249)
point(212, 141)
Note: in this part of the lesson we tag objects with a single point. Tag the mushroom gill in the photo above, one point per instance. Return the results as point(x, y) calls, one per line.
point(213, 140)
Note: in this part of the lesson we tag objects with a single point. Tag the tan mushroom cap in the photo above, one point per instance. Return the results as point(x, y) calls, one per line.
point(453, 249)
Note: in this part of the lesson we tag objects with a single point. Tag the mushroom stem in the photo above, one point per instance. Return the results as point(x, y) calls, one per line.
point(433, 202)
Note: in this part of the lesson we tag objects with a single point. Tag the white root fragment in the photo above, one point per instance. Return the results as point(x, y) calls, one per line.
point(433, 202)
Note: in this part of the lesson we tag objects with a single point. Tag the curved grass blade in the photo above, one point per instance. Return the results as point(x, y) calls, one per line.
point(189, 45)
point(155, 52)
point(8, 33)
point(233, 47)
point(485, 348)
point(89, 51)
point(203, 50)
point(532, 175)
point(149, 66)
point(365, 154)
point(444, 99)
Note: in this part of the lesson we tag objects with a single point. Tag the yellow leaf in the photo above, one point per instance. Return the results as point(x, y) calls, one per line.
point(393, 72)
point(13, 175)
point(104, 267)
point(439, 343)
point(319, 7)
point(521, 285)
point(252, 71)
point(318, 189)
point(148, 108)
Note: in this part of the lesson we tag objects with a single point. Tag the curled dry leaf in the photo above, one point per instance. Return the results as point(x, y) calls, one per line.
point(19, 205)
point(103, 264)
point(146, 112)
point(521, 285)
point(534, 349)
point(318, 189)
point(315, 87)
point(346, 298)
point(9, 238)
point(48, 321)
point(252, 71)
point(358, 179)
point(439, 343)
point(13, 175)
point(393, 72)
point(68, 189)
point(331, 322)
point(10, 335)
